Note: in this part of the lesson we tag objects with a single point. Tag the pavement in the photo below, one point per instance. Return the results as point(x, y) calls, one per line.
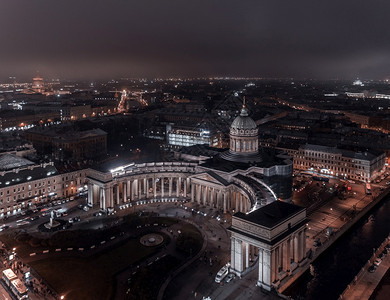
point(365, 282)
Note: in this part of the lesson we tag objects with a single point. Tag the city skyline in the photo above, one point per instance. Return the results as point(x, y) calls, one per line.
point(152, 39)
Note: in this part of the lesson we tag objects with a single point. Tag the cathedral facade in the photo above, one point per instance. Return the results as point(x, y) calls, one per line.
point(240, 179)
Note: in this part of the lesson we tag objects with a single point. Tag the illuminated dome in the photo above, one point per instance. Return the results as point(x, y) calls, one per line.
point(243, 121)
point(244, 141)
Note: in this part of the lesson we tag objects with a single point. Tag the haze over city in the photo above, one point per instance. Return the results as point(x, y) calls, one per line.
point(279, 39)
point(202, 150)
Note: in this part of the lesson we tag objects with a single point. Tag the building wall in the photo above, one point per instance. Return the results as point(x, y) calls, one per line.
point(336, 164)
point(21, 196)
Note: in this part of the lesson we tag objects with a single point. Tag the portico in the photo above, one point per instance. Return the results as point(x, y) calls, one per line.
point(276, 232)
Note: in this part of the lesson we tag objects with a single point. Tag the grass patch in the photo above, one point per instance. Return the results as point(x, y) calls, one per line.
point(26, 244)
point(190, 240)
point(92, 277)
point(146, 283)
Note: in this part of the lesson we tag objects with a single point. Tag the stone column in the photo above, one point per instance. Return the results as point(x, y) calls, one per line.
point(102, 198)
point(128, 188)
point(90, 193)
point(224, 203)
point(261, 267)
point(239, 257)
point(266, 269)
point(288, 255)
point(273, 266)
point(117, 194)
point(139, 189)
point(185, 187)
point(154, 188)
point(241, 203)
point(134, 189)
point(107, 197)
point(192, 192)
point(212, 197)
point(233, 252)
point(300, 248)
point(162, 187)
point(247, 255)
point(111, 199)
point(198, 193)
point(178, 186)
point(170, 187)
point(124, 189)
point(238, 196)
point(147, 187)
point(204, 192)
point(295, 247)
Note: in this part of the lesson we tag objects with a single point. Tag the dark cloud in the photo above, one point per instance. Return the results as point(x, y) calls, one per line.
point(92, 38)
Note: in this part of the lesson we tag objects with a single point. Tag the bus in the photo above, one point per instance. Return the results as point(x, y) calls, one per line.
point(368, 189)
point(222, 273)
point(16, 286)
point(319, 178)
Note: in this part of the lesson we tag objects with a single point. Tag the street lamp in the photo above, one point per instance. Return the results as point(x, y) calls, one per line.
point(62, 297)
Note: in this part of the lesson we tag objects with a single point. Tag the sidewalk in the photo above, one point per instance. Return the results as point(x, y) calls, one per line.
point(364, 286)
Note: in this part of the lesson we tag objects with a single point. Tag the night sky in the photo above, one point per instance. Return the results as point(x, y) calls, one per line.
point(103, 39)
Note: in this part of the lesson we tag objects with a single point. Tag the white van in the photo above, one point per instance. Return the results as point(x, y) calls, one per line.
point(222, 273)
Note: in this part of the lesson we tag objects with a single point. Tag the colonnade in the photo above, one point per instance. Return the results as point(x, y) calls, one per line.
point(136, 188)
point(225, 198)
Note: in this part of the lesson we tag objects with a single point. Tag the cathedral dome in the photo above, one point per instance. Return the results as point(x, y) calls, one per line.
point(244, 142)
point(243, 121)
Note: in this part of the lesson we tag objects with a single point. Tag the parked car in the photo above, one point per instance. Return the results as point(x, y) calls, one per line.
point(230, 277)
point(372, 269)
point(377, 262)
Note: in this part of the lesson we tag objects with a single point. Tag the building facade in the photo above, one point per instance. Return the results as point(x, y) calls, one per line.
point(242, 178)
point(362, 166)
point(67, 144)
point(24, 184)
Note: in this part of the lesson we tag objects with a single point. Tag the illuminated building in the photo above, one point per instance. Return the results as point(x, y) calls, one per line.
point(24, 184)
point(362, 166)
point(38, 85)
point(242, 178)
point(179, 136)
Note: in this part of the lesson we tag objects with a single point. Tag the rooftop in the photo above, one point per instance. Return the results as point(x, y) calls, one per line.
point(269, 159)
point(9, 162)
point(272, 214)
point(31, 173)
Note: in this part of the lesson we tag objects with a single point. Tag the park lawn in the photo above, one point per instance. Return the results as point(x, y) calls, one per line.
point(90, 277)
